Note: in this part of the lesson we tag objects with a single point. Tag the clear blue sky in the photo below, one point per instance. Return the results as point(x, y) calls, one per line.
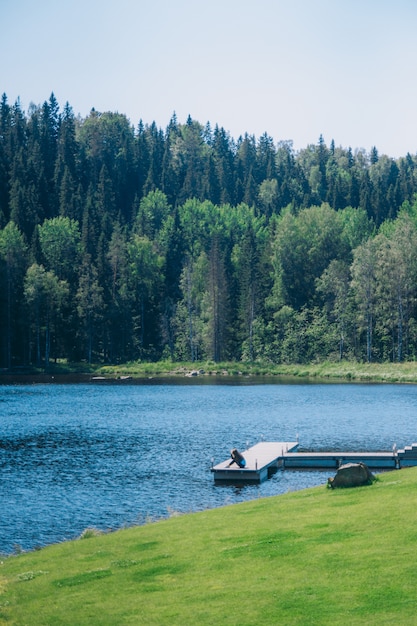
point(296, 69)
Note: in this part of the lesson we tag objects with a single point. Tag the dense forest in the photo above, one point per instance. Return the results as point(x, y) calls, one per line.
point(121, 243)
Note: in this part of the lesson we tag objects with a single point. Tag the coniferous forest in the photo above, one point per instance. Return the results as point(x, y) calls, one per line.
point(122, 243)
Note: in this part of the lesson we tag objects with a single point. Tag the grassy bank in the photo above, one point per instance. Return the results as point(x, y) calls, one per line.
point(313, 557)
point(343, 371)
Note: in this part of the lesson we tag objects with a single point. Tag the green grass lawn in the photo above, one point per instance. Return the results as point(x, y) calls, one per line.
point(316, 556)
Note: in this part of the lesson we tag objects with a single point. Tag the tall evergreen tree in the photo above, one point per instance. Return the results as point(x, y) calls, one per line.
point(5, 159)
point(224, 159)
point(246, 170)
point(266, 167)
point(49, 124)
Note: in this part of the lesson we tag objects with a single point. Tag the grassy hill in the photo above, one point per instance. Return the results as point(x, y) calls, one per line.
point(313, 557)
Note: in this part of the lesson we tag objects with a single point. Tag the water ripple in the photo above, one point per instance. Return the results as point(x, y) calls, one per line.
point(73, 456)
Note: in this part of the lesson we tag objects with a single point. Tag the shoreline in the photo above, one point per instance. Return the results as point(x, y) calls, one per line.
point(224, 373)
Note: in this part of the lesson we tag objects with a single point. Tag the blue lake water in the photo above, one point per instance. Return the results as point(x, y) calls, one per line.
point(106, 456)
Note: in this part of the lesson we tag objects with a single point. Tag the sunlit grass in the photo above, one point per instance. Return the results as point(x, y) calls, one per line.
point(312, 557)
point(340, 371)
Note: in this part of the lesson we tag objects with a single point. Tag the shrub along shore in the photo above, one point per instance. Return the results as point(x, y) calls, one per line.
point(342, 371)
point(316, 557)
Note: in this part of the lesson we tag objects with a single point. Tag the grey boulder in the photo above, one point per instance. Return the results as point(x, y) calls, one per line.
point(352, 475)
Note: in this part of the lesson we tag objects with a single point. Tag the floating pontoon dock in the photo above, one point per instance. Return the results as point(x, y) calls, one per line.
point(264, 458)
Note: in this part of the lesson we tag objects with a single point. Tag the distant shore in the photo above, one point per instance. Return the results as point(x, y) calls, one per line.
point(168, 372)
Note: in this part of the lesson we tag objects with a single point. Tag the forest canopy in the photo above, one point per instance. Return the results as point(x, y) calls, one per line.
point(121, 243)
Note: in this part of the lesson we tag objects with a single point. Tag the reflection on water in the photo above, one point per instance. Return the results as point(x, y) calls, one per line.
point(74, 456)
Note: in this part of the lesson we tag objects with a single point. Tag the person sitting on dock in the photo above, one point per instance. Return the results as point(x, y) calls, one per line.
point(237, 458)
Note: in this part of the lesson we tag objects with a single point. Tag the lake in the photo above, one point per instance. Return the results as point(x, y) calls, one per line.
point(106, 456)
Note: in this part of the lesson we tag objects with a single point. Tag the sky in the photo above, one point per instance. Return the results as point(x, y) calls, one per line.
point(295, 69)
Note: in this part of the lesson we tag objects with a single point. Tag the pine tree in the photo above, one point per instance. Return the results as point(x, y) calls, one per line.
point(224, 160)
point(49, 129)
point(5, 160)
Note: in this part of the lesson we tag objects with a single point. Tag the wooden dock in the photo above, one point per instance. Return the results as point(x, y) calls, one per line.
point(333, 460)
point(264, 458)
point(388, 460)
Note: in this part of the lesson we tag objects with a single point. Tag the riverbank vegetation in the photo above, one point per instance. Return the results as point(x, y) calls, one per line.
point(342, 371)
point(311, 557)
point(122, 243)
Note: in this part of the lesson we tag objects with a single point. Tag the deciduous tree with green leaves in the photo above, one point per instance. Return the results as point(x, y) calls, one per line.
point(13, 255)
point(45, 296)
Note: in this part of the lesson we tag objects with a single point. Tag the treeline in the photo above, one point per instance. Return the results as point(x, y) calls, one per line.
point(120, 243)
